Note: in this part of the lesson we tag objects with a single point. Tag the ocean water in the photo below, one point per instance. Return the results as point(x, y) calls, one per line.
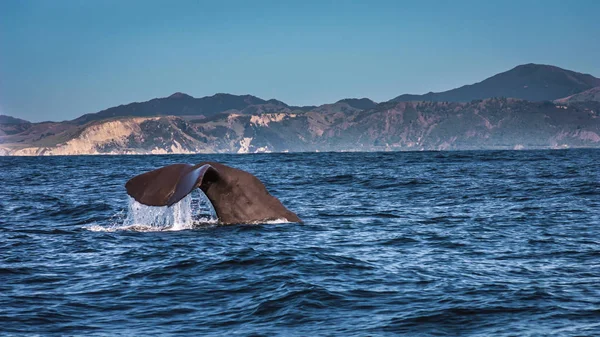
point(484, 243)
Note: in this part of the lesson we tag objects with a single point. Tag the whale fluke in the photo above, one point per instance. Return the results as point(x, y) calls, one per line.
point(236, 195)
point(168, 185)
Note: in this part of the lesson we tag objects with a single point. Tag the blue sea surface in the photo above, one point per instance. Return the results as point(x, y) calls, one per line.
point(481, 243)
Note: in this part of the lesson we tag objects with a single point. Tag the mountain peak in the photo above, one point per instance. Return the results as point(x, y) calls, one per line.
point(4, 119)
point(532, 82)
point(179, 95)
point(276, 102)
point(530, 68)
point(534, 65)
point(359, 103)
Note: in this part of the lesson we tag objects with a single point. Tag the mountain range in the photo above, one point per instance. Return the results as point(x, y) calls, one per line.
point(528, 107)
point(531, 82)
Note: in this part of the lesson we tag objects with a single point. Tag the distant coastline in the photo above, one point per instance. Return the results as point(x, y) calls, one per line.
point(528, 107)
point(299, 152)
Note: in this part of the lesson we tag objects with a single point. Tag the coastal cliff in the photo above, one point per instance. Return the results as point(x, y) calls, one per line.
point(225, 123)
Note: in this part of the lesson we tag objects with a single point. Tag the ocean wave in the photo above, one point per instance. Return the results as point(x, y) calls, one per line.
point(478, 243)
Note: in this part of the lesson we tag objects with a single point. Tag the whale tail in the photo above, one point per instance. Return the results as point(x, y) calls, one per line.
point(168, 185)
point(236, 195)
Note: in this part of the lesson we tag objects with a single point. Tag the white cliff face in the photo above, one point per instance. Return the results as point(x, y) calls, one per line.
point(93, 138)
point(265, 119)
point(29, 151)
point(132, 136)
point(263, 149)
point(176, 148)
point(245, 145)
point(4, 151)
point(588, 135)
point(584, 135)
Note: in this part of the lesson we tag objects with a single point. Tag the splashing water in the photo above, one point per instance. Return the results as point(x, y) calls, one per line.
point(195, 210)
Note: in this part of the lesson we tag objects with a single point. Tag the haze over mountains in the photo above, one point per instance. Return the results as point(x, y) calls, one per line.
point(529, 106)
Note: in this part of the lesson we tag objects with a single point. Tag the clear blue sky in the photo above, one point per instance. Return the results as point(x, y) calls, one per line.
point(61, 59)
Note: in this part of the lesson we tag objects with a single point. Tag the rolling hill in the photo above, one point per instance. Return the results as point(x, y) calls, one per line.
point(586, 96)
point(532, 82)
point(180, 104)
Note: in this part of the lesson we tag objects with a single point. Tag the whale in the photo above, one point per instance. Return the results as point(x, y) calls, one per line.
point(237, 196)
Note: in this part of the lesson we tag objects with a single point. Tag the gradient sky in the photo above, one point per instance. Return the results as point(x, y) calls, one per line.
point(61, 59)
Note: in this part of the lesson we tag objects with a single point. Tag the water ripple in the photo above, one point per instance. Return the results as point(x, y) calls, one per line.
point(480, 243)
